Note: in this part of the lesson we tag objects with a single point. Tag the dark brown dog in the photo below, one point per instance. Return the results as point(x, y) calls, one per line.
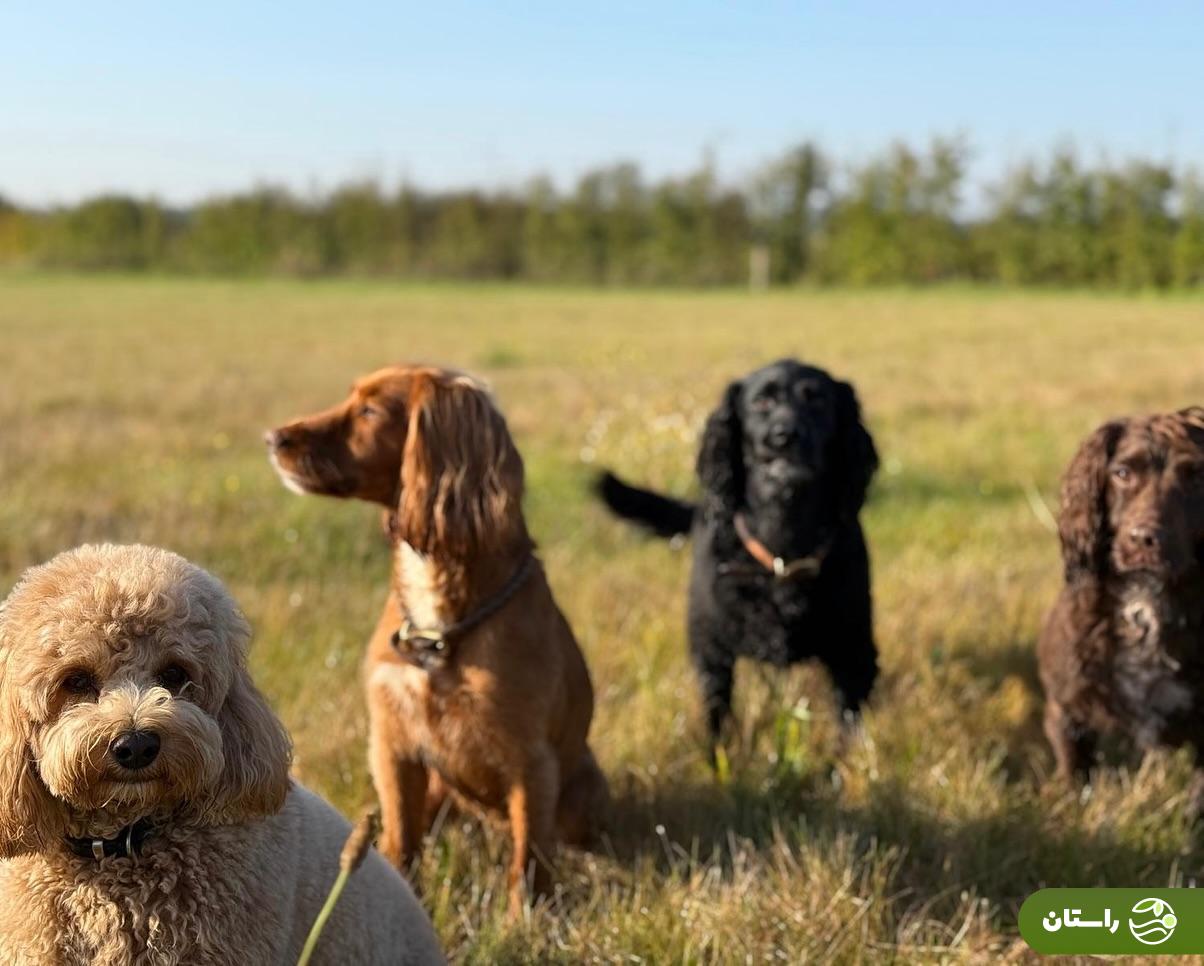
point(475, 682)
point(1123, 648)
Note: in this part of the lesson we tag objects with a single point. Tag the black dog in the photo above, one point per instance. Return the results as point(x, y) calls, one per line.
point(781, 572)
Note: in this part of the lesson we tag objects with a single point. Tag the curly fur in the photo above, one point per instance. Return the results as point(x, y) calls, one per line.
point(239, 858)
point(1123, 647)
point(1082, 524)
point(786, 448)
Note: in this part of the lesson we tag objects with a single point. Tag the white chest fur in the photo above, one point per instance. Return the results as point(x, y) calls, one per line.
point(421, 583)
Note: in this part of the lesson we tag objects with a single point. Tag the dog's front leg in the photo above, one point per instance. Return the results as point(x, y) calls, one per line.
point(413, 780)
point(1195, 791)
point(1073, 744)
point(401, 785)
point(715, 668)
point(532, 809)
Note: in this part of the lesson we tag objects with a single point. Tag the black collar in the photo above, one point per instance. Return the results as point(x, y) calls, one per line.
point(427, 647)
point(125, 844)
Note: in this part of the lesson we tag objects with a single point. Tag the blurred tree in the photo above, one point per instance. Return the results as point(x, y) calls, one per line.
point(367, 233)
point(264, 231)
point(784, 205)
point(1136, 229)
point(17, 234)
point(1006, 241)
point(1066, 249)
point(544, 244)
point(583, 223)
point(1187, 257)
point(897, 222)
point(627, 228)
point(109, 232)
point(897, 218)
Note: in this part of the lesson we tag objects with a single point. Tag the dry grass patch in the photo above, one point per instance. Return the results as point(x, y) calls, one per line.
point(131, 410)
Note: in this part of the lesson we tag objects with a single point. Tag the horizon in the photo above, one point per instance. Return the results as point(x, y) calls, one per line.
point(974, 191)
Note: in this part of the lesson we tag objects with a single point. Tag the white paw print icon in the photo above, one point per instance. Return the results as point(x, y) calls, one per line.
point(1152, 921)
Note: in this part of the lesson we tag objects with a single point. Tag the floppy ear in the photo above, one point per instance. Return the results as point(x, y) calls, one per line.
point(390, 528)
point(30, 817)
point(721, 456)
point(1083, 519)
point(461, 475)
point(1193, 416)
point(257, 753)
point(854, 460)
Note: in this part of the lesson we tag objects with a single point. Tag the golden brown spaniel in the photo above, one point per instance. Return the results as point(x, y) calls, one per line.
point(475, 682)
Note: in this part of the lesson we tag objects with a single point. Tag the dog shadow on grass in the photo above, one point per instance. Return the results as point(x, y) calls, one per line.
point(1000, 855)
point(1009, 675)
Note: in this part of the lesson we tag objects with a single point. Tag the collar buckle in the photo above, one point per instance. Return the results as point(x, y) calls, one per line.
point(126, 844)
point(428, 638)
point(429, 647)
point(781, 569)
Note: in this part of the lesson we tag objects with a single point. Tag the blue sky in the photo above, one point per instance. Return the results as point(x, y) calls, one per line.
point(217, 96)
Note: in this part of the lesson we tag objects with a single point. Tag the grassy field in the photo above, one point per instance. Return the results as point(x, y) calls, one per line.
point(132, 410)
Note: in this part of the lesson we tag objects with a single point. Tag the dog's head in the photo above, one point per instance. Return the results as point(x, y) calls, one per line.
point(124, 695)
point(785, 428)
point(1133, 498)
point(429, 444)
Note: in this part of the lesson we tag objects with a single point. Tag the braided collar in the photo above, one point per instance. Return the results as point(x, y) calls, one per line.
point(126, 844)
point(428, 647)
point(780, 568)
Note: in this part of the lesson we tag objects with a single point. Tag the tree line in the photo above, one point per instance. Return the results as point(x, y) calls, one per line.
point(898, 218)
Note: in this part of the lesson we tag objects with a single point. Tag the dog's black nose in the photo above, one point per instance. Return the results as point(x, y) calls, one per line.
point(780, 434)
point(1147, 537)
point(135, 749)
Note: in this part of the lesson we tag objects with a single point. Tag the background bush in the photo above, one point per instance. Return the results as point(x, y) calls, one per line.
point(902, 217)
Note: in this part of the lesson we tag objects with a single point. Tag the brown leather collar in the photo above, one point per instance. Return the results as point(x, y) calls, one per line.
point(808, 566)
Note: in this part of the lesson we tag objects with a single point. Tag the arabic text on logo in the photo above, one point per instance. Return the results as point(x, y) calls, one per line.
point(1152, 921)
point(1073, 919)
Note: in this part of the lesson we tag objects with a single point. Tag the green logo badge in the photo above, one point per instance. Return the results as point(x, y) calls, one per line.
point(1152, 921)
point(1112, 921)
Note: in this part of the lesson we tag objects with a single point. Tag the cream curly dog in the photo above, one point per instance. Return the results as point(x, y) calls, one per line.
point(146, 812)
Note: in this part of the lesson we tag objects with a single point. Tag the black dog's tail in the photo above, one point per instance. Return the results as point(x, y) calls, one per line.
point(663, 515)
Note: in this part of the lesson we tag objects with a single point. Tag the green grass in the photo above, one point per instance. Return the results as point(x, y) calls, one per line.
point(132, 410)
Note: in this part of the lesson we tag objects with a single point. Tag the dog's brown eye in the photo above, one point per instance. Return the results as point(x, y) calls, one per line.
point(173, 677)
point(1122, 473)
point(80, 682)
point(369, 412)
